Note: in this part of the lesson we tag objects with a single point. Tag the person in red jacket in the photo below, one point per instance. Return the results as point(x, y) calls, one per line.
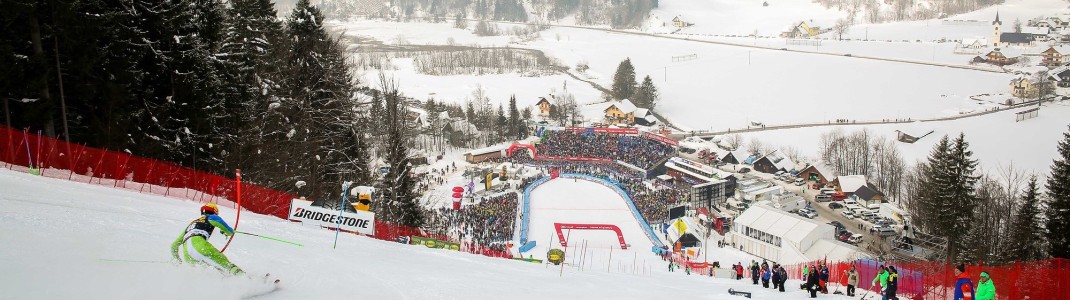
point(963, 285)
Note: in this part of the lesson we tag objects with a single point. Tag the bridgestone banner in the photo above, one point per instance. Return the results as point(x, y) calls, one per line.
point(303, 211)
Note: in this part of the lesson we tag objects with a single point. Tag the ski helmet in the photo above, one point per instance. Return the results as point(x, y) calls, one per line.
point(210, 208)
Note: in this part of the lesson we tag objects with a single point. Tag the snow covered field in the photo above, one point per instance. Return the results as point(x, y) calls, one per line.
point(729, 86)
point(995, 139)
point(742, 17)
point(57, 235)
point(936, 29)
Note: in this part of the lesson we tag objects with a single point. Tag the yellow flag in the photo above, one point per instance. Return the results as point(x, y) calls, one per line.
point(680, 226)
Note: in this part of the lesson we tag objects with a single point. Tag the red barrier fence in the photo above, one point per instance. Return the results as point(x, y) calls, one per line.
point(22, 150)
point(1036, 280)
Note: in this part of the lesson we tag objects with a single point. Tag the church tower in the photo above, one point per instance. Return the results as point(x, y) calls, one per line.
point(996, 31)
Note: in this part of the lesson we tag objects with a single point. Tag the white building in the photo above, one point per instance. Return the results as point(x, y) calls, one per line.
point(785, 238)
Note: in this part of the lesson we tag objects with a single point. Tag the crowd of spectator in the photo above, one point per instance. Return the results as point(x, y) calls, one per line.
point(489, 223)
point(634, 150)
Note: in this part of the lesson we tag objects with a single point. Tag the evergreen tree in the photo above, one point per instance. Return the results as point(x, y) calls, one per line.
point(516, 124)
point(1027, 231)
point(251, 53)
point(647, 94)
point(961, 188)
point(316, 143)
point(624, 84)
point(400, 199)
point(1058, 210)
point(502, 125)
point(470, 113)
point(931, 200)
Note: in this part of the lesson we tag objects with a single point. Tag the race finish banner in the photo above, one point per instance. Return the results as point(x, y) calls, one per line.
point(303, 211)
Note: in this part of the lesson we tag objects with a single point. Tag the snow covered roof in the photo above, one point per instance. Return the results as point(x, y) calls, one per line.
point(487, 150)
point(549, 101)
point(974, 41)
point(780, 161)
point(641, 112)
point(651, 119)
point(851, 183)
point(824, 169)
point(463, 126)
point(778, 223)
point(625, 106)
point(1035, 30)
point(832, 251)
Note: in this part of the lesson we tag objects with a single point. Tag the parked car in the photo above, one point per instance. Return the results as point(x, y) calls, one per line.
point(810, 214)
point(885, 231)
point(848, 214)
point(838, 197)
point(855, 239)
point(823, 198)
point(850, 201)
point(837, 224)
point(828, 191)
point(835, 205)
point(799, 181)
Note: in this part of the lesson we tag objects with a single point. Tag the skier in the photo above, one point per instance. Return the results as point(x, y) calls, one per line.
point(852, 281)
point(985, 289)
point(893, 284)
point(670, 266)
point(195, 245)
point(963, 284)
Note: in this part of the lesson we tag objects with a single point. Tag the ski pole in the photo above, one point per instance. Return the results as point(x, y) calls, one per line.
point(134, 261)
point(270, 238)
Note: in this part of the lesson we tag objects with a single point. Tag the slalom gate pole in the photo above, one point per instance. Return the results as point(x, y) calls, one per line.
point(29, 155)
point(39, 136)
point(270, 238)
point(341, 208)
point(237, 176)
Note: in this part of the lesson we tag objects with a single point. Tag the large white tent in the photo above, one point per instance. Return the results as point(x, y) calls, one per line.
point(784, 237)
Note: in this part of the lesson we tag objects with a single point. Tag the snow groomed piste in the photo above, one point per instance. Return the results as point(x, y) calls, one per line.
point(526, 220)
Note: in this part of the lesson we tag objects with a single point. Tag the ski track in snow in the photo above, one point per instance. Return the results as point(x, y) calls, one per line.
point(57, 234)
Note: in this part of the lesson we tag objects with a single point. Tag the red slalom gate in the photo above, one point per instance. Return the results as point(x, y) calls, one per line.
point(564, 243)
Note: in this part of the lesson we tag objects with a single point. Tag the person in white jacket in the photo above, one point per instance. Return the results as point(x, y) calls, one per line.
point(852, 280)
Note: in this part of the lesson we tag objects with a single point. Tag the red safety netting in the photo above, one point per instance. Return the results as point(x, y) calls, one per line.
point(1036, 280)
point(29, 152)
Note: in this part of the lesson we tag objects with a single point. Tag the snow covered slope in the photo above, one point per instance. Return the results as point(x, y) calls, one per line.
point(57, 233)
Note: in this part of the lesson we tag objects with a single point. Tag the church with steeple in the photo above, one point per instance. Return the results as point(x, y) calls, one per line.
point(1000, 38)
